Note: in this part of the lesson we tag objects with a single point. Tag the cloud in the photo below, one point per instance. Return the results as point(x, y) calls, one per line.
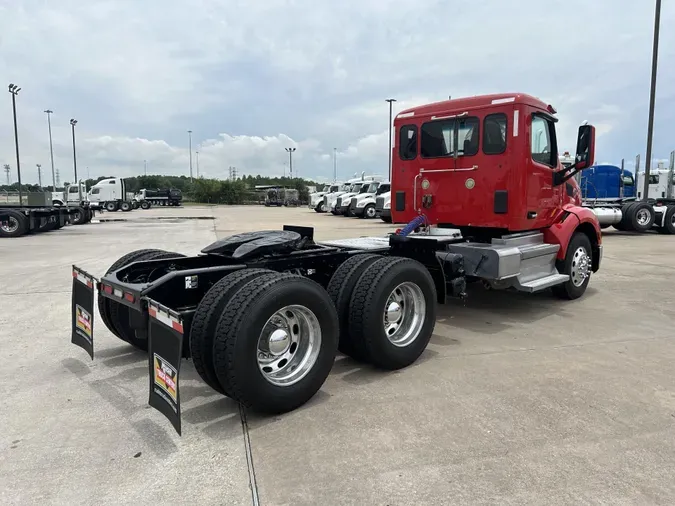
point(251, 78)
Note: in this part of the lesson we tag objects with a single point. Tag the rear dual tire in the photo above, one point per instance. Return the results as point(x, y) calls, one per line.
point(387, 309)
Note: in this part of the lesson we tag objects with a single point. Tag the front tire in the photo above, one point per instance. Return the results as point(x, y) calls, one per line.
point(14, 224)
point(393, 311)
point(577, 265)
point(369, 212)
point(145, 205)
point(276, 342)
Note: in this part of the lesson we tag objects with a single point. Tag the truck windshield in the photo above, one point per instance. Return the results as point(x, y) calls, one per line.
point(356, 187)
point(372, 188)
point(326, 188)
point(333, 189)
point(383, 188)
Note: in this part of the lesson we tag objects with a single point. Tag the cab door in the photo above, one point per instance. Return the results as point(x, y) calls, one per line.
point(541, 194)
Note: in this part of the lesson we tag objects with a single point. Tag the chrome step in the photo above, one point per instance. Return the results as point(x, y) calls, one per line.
point(539, 284)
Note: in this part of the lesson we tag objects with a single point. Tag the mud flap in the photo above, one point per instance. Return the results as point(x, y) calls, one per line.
point(83, 310)
point(165, 349)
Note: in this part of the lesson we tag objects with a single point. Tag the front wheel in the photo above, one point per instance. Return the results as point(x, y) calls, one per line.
point(369, 212)
point(577, 265)
point(320, 208)
point(145, 204)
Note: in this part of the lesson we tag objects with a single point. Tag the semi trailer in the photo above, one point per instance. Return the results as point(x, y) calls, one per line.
point(263, 314)
point(37, 214)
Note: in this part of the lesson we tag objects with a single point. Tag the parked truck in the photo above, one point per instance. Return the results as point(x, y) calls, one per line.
point(363, 203)
point(360, 185)
point(616, 198)
point(159, 197)
point(316, 199)
point(383, 207)
point(111, 194)
point(35, 212)
point(262, 314)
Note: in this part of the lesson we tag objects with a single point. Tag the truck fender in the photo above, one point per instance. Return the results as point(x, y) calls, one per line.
point(572, 219)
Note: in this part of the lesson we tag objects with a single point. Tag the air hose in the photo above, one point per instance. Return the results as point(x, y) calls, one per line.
point(410, 227)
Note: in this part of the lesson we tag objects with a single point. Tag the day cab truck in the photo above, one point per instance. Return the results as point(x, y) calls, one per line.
point(617, 199)
point(316, 201)
point(383, 207)
point(263, 314)
point(363, 204)
point(360, 185)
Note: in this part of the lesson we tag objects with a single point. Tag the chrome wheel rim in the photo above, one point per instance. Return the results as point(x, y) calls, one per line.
point(643, 216)
point(370, 212)
point(11, 225)
point(404, 314)
point(581, 264)
point(672, 219)
point(289, 345)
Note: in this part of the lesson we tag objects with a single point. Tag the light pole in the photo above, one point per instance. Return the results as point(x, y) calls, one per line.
point(51, 148)
point(197, 160)
point(39, 175)
point(290, 160)
point(145, 167)
point(391, 103)
point(190, 144)
point(334, 165)
point(14, 90)
point(652, 98)
point(73, 122)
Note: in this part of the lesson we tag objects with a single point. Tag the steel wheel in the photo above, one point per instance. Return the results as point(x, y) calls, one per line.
point(404, 314)
point(370, 211)
point(10, 226)
point(643, 217)
point(580, 266)
point(289, 345)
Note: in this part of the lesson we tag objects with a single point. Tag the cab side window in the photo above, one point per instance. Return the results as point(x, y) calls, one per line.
point(407, 142)
point(543, 142)
point(494, 134)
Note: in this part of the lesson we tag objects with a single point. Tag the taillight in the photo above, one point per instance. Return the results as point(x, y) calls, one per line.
point(129, 296)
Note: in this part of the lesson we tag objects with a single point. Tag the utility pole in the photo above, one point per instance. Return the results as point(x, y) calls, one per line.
point(190, 144)
point(290, 159)
point(51, 148)
point(39, 175)
point(197, 153)
point(14, 90)
point(58, 179)
point(8, 171)
point(391, 103)
point(73, 122)
point(652, 97)
point(334, 165)
point(145, 167)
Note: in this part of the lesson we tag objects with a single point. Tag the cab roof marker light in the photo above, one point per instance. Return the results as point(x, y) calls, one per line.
point(497, 101)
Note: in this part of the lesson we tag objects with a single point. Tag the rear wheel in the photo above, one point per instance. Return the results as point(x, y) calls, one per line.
point(13, 224)
point(340, 290)
point(275, 342)
point(624, 223)
point(125, 206)
point(577, 265)
point(642, 216)
point(111, 207)
point(145, 204)
point(393, 311)
point(206, 318)
point(669, 224)
point(79, 216)
point(386, 219)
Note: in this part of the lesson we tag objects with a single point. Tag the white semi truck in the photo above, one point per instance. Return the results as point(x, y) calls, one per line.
point(316, 198)
point(363, 204)
point(111, 195)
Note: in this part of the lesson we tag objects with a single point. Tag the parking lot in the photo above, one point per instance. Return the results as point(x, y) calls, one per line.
point(519, 399)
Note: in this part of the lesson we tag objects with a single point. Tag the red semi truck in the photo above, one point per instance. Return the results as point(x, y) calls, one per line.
point(263, 314)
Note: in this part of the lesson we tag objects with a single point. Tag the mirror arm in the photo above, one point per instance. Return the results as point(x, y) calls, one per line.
point(564, 175)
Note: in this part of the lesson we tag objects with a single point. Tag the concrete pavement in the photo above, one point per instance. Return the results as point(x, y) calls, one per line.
point(519, 399)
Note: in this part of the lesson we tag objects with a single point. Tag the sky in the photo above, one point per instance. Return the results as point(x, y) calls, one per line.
point(253, 78)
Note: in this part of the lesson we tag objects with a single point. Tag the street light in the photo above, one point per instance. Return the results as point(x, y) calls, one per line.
point(334, 165)
point(197, 160)
point(73, 122)
point(290, 159)
point(51, 148)
point(14, 90)
point(145, 167)
point(391, 103)
point(652, 98)
point(190, 144)
point(39, 168)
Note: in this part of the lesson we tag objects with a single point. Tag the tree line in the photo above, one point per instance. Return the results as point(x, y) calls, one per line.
point(201, 190)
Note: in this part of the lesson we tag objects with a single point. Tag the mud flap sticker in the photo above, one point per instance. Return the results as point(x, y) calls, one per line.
point(83, 310)
point(165, 349)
